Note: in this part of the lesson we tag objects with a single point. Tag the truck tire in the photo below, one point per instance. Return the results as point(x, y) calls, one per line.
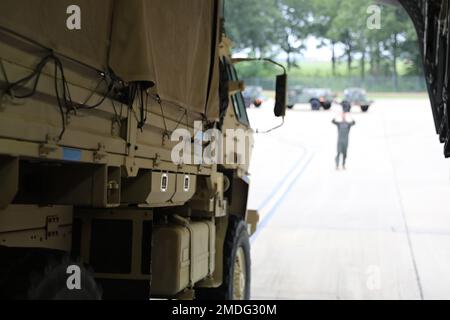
point(236, 265)
point(327, 105)
point(52, 284)
point(41, 274)
point(315, 105)
point(364, 108)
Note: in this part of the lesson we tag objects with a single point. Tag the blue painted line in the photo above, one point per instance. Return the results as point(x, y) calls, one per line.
point(280, 183)
point(272, 212)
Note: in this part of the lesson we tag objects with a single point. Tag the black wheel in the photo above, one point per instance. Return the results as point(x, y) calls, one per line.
point(236, 266)
point(291, 106)
point(257, 104)
point(40, 274)
point(347, 108)
point(327, 105)
point(315, 105)
point(364, 108)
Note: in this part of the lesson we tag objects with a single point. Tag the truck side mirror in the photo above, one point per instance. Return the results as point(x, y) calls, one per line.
point(281, 85)
point(280, 95)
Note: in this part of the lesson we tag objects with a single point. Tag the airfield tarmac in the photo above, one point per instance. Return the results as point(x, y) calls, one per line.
point(379, 230)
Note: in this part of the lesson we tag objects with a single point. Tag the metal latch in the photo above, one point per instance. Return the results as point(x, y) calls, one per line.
point(235, 86)
point(113, 185)
point(101, 153)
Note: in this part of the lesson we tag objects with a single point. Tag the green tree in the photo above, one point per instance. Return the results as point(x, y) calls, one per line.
point(324, 14)
point(292, 26)
point(250, 24)
point(271, 27)
point(348, 28)
point(410, 51)
point(395, 32)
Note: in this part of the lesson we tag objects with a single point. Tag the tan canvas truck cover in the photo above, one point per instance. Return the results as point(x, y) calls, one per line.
point(169, 43)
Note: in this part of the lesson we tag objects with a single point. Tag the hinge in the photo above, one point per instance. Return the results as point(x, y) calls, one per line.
point(52, 227)
point(157, 160)
point(49, 146)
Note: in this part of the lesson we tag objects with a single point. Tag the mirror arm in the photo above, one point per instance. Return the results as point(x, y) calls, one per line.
point(272, 129)
point(239, 60)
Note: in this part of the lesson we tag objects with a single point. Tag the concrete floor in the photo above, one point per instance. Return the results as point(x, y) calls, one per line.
point(380, 230)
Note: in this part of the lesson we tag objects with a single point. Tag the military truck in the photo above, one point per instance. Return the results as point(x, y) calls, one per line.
point(316, 97)
point(92, 203)
point(357, 97)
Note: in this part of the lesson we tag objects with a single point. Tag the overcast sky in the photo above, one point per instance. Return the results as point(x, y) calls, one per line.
point(311, 53)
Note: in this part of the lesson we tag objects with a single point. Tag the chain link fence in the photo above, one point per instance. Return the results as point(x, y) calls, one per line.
point(339, 84)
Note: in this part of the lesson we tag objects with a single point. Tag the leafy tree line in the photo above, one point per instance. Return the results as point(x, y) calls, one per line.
point(271, 27)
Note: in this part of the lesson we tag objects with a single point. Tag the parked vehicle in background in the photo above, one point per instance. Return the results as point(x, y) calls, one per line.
point(358, 97)
point(317, 97)
point(253, 95)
